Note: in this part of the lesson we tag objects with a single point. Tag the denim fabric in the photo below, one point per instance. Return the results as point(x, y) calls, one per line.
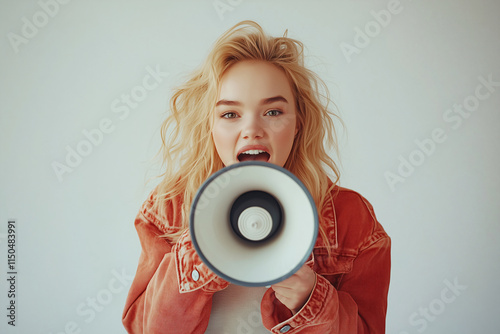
point(172, 290)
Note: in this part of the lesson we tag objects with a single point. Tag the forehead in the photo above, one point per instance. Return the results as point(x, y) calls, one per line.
point(247, 80)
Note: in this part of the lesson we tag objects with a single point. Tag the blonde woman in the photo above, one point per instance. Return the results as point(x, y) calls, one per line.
point(253, 99)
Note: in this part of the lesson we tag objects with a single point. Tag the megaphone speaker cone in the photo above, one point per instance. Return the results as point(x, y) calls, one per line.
point(255, 215)
point(253, 223)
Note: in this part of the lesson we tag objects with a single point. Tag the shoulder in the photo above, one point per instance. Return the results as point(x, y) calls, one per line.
point(351, 203)
point(357, 224)
point(167, 220)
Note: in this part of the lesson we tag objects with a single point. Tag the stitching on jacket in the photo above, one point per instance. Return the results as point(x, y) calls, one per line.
point(165, 225)
point(367, 206)
point(328, 220)
point(373, 239)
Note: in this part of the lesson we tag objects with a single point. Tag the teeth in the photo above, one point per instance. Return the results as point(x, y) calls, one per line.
point(253, 152)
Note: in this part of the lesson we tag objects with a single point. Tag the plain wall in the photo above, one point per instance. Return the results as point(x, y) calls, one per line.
point(411, 90)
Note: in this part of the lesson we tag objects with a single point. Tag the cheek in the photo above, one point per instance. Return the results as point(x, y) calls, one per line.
point(222, 139)
point(287, 138)
point(284, 140)
point(287, 133)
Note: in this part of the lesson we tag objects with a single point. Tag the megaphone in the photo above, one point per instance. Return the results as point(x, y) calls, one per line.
point(253, 223)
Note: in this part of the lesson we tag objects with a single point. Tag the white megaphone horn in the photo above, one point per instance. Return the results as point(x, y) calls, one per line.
point(253, 223)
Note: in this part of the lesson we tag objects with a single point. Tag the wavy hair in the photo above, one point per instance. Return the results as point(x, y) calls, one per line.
point(188, 151)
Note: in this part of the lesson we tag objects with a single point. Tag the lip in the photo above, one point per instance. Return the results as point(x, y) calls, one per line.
point(253, 147)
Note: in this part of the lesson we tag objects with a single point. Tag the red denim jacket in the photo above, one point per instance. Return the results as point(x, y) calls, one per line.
point(172, 290)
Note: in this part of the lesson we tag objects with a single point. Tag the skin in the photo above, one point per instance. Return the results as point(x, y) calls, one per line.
point(256, 108)
point(295, 290)
point(243, 115)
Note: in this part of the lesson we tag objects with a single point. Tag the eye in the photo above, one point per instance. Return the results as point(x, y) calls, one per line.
point(274, 112)
point(229, 114)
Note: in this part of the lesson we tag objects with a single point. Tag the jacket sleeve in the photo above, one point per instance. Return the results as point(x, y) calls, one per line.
point(172, 289)
point(358, 305)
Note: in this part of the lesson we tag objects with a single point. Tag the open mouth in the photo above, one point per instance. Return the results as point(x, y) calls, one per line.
point(254, 155)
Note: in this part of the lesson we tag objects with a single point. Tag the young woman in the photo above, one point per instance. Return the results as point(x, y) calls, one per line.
point(253, 99)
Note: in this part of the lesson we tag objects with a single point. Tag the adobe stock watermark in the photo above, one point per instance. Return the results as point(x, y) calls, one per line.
point(420, 319)
point(250, 324)
point(214, 188)
point(121, 107)
point(362, 37)
point(454, 118)
point(30, 27)
point(252, 321)
point(222, 6)
point(89, 309)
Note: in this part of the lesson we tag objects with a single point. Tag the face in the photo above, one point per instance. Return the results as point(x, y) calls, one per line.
point(255, 114)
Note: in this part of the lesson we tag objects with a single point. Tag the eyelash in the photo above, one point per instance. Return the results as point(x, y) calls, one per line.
point(225, 115)
point(279, 112)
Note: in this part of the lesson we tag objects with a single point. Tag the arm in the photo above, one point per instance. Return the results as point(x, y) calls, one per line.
point(358, 305)
point(165, 294)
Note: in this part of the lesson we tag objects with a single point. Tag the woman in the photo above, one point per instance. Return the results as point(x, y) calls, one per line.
point(253, 99)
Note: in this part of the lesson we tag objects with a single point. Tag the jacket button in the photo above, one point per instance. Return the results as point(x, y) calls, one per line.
point(285, 329)
point(195, 275)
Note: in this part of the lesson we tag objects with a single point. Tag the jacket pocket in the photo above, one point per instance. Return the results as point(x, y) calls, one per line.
point(334, 266)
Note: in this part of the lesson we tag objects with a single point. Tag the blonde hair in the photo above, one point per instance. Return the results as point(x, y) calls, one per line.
point(188, 152)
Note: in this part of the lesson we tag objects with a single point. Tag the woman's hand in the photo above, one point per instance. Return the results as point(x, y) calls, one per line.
point(295, 290)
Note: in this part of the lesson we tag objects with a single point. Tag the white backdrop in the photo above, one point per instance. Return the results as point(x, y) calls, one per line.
point(85, 84)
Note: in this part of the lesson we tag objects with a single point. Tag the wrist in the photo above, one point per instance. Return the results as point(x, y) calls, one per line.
point(297, 310)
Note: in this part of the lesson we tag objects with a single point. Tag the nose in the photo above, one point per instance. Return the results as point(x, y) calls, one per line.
point(252, 128)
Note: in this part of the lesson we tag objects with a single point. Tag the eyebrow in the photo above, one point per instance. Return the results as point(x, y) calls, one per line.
point(268, 100)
